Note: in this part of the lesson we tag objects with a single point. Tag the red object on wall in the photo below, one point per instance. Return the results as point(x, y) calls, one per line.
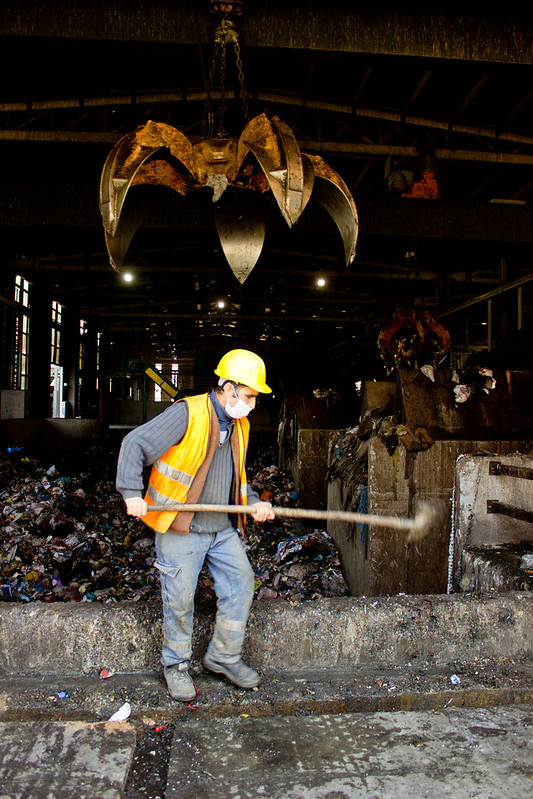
point(425, 189)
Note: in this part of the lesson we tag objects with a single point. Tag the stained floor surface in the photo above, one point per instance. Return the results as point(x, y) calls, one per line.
point(71, 760)
point(484, 753)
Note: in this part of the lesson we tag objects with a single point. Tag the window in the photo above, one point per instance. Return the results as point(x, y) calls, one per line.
point(81, 359)
point(22, 335)
point(81, 351)
point(98, 350)
point(157, 389)
point(175, 374)
point(56, 333)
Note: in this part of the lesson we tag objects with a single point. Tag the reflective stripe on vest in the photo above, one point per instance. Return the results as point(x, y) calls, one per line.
point(173, 474)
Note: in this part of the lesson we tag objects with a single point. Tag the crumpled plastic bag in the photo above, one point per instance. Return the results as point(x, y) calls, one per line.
point(122, 714)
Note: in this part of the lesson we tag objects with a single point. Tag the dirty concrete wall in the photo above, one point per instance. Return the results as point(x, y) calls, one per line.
point(382, 562)
point(476, 486)
point(130, 412)
point(350, 540)
point(21, 432)
point(12, 404)
point(506, 410)
point(309, 467)
point(384, 632)
point(49, 436)
point(65, 431)
point(485, 544)
point(398, 487)
point(379, 394)
point(485, 570)
point(308, 425)
point(380, 632)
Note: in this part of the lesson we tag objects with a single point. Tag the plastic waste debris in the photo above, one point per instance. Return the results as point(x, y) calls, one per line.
point(455, 680)
point(290, 560)
point(266, 593)
point(122, 714)
point(65, 537)
point(474, 381)
point(526, 563)
point(462, 393)
point(429, 371)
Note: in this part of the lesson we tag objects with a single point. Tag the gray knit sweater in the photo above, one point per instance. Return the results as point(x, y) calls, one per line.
point(144, 445)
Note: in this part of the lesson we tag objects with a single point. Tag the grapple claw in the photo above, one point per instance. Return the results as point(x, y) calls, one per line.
point(118, 245)
point(266, 157)
point(274, 145)
point(334, 196)
point(126, 165)
point(241, 229)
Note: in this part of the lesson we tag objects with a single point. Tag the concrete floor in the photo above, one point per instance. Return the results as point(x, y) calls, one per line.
point(54, 760)
point(456, 753)
point(381, 697)
point(453, 753)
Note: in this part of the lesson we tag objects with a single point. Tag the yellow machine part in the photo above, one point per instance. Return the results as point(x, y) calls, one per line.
point(167, 387)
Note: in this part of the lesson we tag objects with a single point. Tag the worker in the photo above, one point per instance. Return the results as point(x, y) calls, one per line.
point(197, 449)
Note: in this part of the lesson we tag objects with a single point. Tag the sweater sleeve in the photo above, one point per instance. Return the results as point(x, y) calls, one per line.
point(144, 445)
point(252, 496)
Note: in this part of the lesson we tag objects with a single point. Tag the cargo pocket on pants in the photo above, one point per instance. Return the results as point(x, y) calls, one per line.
point(167, 574)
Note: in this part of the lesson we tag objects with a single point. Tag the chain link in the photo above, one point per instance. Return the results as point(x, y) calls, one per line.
point(222, 105)
point(208, 123)
point(238, 60)
point(224, 34)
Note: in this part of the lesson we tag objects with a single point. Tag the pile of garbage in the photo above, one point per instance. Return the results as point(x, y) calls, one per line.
point(290, 560)
point(472, 382)
point(65, 536)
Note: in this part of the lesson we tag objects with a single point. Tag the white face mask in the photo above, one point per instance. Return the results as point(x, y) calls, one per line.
point(239, 410)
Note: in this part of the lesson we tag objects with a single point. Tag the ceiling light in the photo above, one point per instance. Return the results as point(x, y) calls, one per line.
point(321, 281)
point(221, 304)
point(127, 277)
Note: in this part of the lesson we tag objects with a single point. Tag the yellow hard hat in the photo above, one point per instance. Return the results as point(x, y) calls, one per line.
point(245, 367)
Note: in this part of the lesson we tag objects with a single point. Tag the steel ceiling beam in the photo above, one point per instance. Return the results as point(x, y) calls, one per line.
point(324, 147)
point(488, 295)
point(44, 206)
point(493, 34)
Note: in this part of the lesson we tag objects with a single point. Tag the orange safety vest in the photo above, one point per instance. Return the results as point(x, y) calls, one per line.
point(179, 474)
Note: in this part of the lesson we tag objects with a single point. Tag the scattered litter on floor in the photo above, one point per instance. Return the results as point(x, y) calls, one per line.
point(65, 536)
point(122, 714)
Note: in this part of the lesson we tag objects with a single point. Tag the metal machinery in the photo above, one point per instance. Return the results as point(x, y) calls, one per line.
point(141, 372)
point(265, 158)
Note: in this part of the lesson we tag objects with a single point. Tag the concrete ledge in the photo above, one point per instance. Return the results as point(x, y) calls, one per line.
point(295, 693)
point(382, 632)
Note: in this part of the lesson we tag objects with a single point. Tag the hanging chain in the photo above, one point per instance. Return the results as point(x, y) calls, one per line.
point(238, 60)
point(208, 122)
point(225, 34)
point(222, 103)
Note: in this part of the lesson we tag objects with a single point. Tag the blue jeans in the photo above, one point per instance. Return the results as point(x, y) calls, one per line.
point(179, 560)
